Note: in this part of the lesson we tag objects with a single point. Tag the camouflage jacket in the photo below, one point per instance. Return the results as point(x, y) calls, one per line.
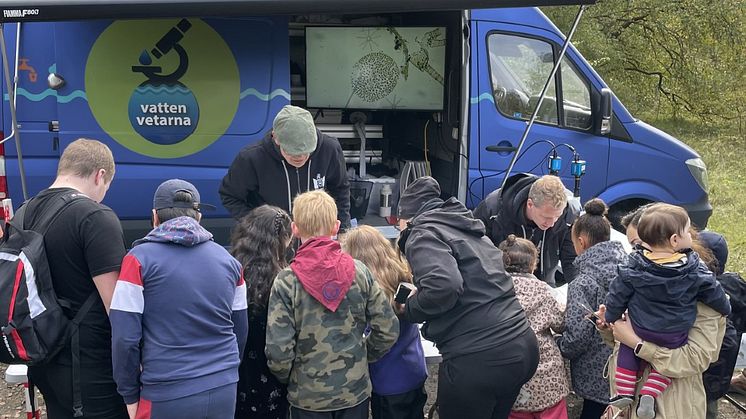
point(322, 355)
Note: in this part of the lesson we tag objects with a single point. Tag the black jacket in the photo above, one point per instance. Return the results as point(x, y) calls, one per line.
point(464, 296)
point(504, 214)
point(259, 175)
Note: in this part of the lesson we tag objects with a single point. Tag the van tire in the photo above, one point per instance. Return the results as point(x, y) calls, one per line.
point(620, 209)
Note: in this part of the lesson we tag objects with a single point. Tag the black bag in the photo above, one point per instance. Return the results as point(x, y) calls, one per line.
point(717, 377)
point(34, 326)
point(735, 287)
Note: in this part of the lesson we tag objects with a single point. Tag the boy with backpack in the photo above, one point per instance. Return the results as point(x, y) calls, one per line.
point(318, 312)
point(65, 249)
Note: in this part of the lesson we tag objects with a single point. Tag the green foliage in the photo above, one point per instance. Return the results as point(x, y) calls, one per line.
point(667, 59)
point(682, 65)
point(722, 150)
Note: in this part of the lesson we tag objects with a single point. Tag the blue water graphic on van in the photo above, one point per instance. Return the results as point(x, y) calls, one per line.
point(265, 97)
point(483, 96)
point(38, 97)
point(79, 94)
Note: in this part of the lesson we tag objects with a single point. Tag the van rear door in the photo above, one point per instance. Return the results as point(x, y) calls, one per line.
point(37, 108)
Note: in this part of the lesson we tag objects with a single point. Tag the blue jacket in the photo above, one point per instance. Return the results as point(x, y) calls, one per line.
point(403, 368)
point(179, 310)
point(661, 298)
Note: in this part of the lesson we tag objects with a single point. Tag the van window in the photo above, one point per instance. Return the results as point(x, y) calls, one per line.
point(519, 67)
point(576, 98)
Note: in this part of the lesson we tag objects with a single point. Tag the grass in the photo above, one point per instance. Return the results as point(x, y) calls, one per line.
point(722, 148)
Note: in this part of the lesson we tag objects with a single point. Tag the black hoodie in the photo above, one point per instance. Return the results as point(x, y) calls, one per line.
point(504, 214)
point(464, 296)
point(259, 175)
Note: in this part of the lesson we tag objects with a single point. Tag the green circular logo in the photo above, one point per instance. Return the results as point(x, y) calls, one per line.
point(162, 88)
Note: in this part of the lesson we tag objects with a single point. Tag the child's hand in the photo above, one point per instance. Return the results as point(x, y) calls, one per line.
point(624, 333)
point(600, 318)
point(401, 308)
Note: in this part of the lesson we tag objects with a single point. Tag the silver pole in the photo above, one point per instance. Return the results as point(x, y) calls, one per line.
point(550, 80)
point(13, 118)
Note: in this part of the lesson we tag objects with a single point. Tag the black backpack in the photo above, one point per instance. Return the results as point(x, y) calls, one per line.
point(34, 323)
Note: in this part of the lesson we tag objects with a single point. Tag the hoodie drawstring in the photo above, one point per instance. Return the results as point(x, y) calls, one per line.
point(541, 253)
point(541, 249)
point(308, 176)
point(287, 178)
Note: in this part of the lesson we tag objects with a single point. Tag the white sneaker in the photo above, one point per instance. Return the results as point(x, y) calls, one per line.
point(646, 407)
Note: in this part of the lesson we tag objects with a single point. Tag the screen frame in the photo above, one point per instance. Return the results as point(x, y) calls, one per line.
point(446, 72)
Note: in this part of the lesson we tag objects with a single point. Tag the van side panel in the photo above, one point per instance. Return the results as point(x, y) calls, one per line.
point(170, 97)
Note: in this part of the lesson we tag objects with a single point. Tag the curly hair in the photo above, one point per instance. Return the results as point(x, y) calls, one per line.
point(593, 224)
point(259, 241)
point(519, 255)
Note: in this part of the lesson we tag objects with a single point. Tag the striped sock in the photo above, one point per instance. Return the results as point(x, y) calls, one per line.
point(625, 381)
point(655, 385)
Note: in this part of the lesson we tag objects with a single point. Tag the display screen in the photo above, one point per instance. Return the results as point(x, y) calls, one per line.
point(375, 67)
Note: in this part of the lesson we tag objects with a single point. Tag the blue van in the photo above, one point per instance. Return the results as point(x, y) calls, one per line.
point(407, 86)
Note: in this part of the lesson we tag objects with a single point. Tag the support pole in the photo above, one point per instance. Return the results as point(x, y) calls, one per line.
point(11, 100)
point(550, 80)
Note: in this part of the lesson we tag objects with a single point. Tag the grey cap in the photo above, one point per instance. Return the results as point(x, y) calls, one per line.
point(295, 131)
point(164, 196)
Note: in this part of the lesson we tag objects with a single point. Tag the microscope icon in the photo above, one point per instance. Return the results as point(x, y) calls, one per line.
point(167, 43)
point(162, 109)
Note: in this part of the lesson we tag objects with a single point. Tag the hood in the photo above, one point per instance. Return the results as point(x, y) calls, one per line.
point(272, 149)
point(515, 196)
point(184, 231)
point(324, 270)
point(638, 265)
point(451, 213)
point(601, 259)
point(526, 286)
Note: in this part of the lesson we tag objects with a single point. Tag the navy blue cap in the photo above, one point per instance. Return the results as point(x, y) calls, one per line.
point(164, 196)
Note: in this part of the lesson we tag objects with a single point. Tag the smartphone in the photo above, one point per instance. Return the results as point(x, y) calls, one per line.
point(591, 315)
point(402, 292)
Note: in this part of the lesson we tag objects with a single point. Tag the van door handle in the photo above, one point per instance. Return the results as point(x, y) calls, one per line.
point(501, 149)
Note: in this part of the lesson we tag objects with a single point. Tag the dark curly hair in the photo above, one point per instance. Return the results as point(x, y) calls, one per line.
point(593, 224)
point(259, 242)
point(519, 255)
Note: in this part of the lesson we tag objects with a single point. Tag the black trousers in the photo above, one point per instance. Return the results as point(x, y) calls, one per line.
point(358, 412)
point(484, 385)
point(97, 387)
point(592, 410)
point(408, 405)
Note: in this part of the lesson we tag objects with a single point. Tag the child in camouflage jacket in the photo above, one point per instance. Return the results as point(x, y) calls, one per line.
point(319, 309)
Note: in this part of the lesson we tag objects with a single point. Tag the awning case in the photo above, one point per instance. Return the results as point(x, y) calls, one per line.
point(55, 10)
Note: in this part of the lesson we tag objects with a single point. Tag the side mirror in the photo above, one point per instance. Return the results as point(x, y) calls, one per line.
point(604, 111)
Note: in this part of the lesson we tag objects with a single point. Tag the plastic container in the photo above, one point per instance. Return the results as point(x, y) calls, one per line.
point(385, 203)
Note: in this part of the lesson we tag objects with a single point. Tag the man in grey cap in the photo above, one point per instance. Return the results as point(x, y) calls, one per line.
point(293, 158)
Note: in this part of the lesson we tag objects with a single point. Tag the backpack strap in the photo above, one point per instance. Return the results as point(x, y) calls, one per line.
point(49, 214)
point(75, 350)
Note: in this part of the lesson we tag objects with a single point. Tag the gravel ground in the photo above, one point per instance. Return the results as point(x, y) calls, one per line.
point(575, 404)
point(12, 402)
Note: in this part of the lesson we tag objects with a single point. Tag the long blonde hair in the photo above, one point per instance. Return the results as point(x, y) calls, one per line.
point(369, 246)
